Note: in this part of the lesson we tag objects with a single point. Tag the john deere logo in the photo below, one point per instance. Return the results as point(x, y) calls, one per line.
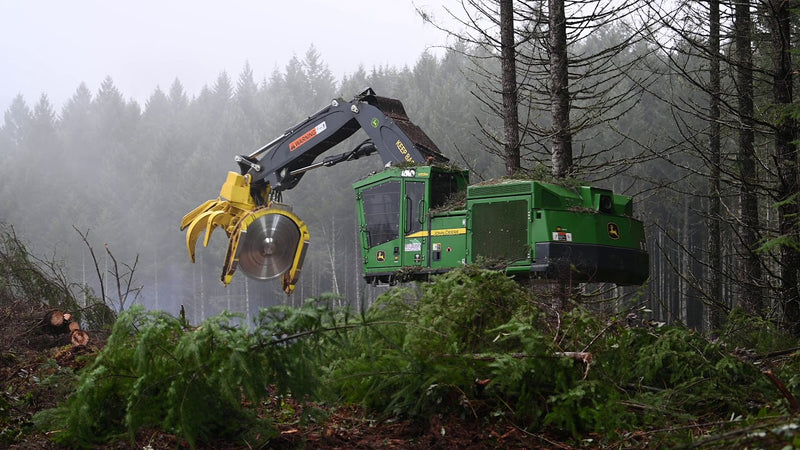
point(613, 231)
point(381, 256)
point(375, 122)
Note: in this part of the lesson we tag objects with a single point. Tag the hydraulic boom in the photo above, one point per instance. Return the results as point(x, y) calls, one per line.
point(265, 238)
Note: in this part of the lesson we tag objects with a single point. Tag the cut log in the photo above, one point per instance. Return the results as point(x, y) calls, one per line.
point(74, 326)
point(79, 338)
point(54, 318)
point(55, 322)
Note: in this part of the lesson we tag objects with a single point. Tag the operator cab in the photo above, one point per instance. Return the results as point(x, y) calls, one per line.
point(400, 217)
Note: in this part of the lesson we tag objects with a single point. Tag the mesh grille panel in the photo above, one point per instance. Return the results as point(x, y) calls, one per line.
point(500, 230)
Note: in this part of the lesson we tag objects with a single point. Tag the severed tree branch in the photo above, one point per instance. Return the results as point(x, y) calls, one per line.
point(794, 406)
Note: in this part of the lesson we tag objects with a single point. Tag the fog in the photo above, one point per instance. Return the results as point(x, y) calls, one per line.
point(51, 47)
point(138, 50)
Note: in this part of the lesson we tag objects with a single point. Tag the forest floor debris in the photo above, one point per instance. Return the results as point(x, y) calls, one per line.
point(31, 363)
point(37, 373)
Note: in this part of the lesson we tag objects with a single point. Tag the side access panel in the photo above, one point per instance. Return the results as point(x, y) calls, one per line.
point(597, 241)
point(448, 239)
point(591, 247)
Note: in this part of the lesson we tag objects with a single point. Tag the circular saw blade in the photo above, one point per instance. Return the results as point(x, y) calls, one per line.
point(267, 247)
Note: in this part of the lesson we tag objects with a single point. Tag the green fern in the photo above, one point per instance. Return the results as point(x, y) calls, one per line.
point(195, 382)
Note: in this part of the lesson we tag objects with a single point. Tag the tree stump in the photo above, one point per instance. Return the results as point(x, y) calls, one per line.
point(53, 318)
point(79, 338)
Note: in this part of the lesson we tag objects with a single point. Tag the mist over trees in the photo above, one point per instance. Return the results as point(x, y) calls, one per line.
point(715, 180)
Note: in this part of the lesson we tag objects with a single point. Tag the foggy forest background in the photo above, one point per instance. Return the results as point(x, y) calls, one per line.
point(122, 174)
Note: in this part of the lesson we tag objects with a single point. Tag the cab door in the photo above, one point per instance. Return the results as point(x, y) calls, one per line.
point(414, 224)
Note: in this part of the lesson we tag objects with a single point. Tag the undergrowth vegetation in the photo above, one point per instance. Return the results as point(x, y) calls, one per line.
point(472, 344)
point(34, 281)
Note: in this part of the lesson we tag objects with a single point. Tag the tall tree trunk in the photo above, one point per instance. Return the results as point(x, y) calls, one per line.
point(751, 273)
point(559, 90)
point(684, 286)
point(510, 103)
point(715, 310)
point(786, 160)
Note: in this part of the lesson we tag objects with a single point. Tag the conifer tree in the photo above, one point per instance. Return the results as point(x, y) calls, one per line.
point(785, 150)
point(17, 121)
point(750, 275)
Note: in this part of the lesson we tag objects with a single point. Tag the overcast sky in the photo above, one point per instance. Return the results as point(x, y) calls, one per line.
point(51, 46)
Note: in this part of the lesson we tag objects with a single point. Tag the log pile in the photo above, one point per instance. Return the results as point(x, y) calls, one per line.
point(56, 322)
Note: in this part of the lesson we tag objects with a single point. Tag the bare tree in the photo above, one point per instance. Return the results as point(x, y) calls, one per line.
point(508, 57)
point(580, 66)
point(123, 277)
point(715, 146)
point(571, 60)
point(761, 170)
point(750, 273)
point(779, 22)
point(559, 89)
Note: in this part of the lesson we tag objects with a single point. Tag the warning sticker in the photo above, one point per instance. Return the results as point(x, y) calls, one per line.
point(562, 236)
point(307, 136)
point(413, 247)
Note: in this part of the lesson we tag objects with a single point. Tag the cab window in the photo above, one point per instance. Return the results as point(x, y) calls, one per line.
point(382, 212)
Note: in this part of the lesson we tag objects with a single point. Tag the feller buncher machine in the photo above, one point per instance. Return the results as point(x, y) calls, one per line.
point(409, 228)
